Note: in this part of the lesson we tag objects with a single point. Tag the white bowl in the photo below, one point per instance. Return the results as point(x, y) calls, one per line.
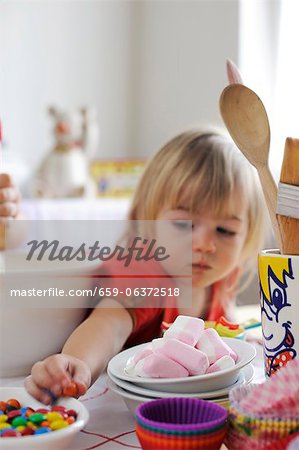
point(133, 400)
point(55, 440)
point(245, 377)
point(32, 328)
point(197, 383)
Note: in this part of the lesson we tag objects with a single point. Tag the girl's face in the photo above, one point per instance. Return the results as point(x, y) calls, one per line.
point(217, 241)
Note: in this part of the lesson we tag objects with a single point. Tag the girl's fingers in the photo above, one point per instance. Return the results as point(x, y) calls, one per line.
point(5, 180)
point(9, 194)
point(51, 374)
point(58, 375)
point(9, 209)
point(81, 376)
point(9, 197)
point(41, 377)
point(81, 388)
point(58, 368)
point(37, 392)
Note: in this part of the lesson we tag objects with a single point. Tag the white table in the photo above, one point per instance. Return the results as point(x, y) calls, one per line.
point(111, 425)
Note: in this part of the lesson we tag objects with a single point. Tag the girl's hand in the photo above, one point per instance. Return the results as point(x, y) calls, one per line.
point(9, 197)
point(56, 373)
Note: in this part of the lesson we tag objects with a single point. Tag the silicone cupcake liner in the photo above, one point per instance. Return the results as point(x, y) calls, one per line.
point(181, 414)
point(150, 440)
point(180, 433)
point(220, 432)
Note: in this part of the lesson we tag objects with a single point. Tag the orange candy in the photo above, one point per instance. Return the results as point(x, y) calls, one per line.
point(14, 402)
point(70, 391)
point(3, 406)
point(70, 420)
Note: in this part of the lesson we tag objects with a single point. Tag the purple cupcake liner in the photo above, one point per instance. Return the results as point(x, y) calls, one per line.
point(181, 414)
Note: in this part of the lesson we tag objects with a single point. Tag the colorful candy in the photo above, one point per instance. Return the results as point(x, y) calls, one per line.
point(70, 391)
point(18, 421)
point(225, 328)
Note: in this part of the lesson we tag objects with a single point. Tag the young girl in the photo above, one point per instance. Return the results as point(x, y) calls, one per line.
point(198, 176)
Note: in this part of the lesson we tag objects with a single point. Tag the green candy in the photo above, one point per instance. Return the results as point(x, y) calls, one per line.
point(37, 418)
point(19, 421)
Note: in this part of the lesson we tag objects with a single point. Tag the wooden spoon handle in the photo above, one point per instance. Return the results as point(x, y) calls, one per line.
point(289, 229)
point(270, 192)
point(289, 226)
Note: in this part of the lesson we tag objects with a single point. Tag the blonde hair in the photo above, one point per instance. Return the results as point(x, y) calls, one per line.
point(208, 167)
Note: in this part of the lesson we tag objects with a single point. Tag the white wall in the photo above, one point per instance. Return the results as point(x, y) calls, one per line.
point(151, 68)
point(181, 61)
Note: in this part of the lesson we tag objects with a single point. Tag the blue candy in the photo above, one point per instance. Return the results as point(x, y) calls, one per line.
point(42, 430)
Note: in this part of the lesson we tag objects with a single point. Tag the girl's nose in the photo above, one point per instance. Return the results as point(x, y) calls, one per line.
point(203, 240)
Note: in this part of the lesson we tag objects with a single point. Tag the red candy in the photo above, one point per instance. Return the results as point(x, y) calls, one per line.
point(27, 431)
point(42, 410)
point(71, 412)
point(11, 433)
point(58, 408)
point(12, 414)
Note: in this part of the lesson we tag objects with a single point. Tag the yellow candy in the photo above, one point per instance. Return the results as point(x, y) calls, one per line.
point(58, 424)
point(20, 428)
point(53, 415)
point(3, 418)
point(4, 425)
point(31, 425)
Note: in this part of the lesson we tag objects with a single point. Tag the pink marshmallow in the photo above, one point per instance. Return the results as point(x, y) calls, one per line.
point(195, 361)
point(225, 362)
point(213, 346)
point(157, 343)
point(185, 329)
point(133, 360)
point(159, 366)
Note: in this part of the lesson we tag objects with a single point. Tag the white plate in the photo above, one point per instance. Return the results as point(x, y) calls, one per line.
point(245, 377)
point(133, 400)
point(197, 383)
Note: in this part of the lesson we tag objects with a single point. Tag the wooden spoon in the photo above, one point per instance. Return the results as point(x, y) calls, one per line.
point(288, 221)
point(247, 122)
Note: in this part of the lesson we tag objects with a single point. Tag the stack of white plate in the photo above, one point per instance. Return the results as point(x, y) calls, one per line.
point(214, 386)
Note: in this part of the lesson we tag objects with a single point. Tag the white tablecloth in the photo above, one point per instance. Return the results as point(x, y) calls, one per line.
point(111, 425)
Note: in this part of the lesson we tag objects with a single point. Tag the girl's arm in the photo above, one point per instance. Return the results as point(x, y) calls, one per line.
point(85, 354)
point(101, 336)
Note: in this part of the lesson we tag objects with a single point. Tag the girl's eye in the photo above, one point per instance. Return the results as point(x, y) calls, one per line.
point(225, 231)
point(183, 225)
